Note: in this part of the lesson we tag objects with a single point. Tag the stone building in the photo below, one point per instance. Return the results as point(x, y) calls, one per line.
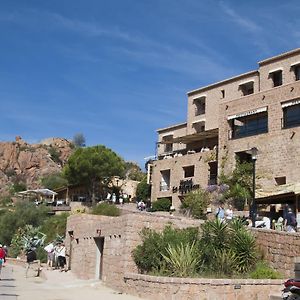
point(259, 109)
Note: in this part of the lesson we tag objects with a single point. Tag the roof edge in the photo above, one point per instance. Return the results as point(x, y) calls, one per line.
point(172, 126)
point(254, 72)
point(277, 57)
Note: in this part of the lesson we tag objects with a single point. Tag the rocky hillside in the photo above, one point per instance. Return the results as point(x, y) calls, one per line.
point(23, 162)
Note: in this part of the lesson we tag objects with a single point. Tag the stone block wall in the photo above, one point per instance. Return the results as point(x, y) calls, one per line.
point(121, 236)
point(281, 249)
point(168, 288)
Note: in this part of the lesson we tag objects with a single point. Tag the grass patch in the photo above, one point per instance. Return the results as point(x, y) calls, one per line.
point(106, 209)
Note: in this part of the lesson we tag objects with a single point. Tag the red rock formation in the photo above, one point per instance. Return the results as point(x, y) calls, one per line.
point(31, 161)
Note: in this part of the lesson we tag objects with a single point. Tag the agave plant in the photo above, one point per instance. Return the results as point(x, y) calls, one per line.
point(224, 262)
point(183, 260)
point(244, 247)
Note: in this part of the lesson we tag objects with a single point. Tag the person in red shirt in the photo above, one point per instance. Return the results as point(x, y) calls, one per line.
point(2, 258)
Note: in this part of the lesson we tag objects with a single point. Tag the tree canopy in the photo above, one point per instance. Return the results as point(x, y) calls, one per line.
point(79, 140)
point(93, 165)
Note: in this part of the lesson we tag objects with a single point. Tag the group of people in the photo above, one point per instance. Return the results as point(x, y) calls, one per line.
point(56, 256)
point(224, 214)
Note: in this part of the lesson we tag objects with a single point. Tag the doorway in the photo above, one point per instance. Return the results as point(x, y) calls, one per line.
point(99, 257)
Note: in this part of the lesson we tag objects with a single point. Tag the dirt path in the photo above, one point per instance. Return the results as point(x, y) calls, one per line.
point(56, 286)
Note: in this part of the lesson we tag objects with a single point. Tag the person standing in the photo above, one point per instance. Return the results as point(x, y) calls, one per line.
point(220, 212)
point(290, 222)
point(61, 256)
point(50, 255)
point(229, 213)
point(2, 258)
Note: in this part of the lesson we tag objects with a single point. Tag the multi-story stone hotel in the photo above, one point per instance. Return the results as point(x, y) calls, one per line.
point(258, 109)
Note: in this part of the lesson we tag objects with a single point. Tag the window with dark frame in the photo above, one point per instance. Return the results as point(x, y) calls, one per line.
point(291, 116)
point(167, 141)
point(223, 93)
point(249, 125)
point(247, 88)
point(297, 72)
point(189, 171)
point(199, 106)
point(277, 78)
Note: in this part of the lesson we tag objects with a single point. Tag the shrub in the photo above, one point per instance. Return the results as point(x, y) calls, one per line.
point(55, 155)
point(195, 203)
point(183, 260)
point(229, 244)
point(162, 204)
point(263, 271)
point(149, 255)
point(106, 209)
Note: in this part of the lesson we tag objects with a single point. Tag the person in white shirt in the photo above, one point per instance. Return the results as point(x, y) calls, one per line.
point(229, 213)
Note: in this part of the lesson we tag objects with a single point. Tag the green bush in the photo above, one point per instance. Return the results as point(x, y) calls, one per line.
point(149, 255)
point(162, 204)
point(263, 271)
point(54, 226)
point(106, 209)
point(235, 247)
point(195, 203)
point(183, 260)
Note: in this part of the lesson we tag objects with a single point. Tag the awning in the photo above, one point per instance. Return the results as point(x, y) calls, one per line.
point(246, 82)
point(284, 190)
point(295, 64)
point(200, 120)
point(248, 113)
point(290, 103)
point(196, 136)
point(275, 70)
point(43, 192)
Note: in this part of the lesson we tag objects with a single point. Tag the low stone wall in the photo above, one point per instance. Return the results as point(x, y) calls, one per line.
point(169, 288)
point(281, 249)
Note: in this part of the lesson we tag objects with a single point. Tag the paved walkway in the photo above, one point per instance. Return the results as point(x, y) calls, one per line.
point(54, 286)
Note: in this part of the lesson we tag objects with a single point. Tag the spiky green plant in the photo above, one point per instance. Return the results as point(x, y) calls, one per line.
point(183, 260)
point(224, 261)
point(244, 247)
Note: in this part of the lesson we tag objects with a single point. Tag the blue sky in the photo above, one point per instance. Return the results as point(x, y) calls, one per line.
point(117, 70)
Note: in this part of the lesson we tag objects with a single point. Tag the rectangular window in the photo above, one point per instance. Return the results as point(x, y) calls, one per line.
point(291, 116)
point(277, 78)
point(297, 72)
point(165, 180)
point(189, 171)
point(222, 94)
point(199, 106)
point(247, 88)
point(250, 125)
point(168, 145)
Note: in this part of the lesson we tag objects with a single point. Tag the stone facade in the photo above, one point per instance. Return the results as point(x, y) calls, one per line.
point(216, 116)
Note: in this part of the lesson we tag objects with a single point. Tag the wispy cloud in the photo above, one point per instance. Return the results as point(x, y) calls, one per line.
point(241, 20)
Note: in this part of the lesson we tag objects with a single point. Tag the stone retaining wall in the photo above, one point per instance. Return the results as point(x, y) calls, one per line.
point(169, 288)
point(121, 236)
point(281, 249)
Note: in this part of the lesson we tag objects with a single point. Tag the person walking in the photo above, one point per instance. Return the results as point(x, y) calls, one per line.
point(61, 256)
point(2, 258)
point(290, 222)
